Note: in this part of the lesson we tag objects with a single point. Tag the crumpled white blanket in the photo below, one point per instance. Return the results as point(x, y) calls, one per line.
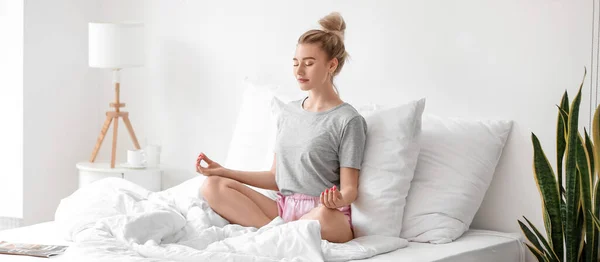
point(115, 220)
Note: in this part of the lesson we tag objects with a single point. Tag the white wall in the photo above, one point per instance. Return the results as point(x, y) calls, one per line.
point(63, 102)
point(11, 108)
point(475, 59)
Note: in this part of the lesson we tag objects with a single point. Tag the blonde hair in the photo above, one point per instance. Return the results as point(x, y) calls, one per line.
point(330, 38)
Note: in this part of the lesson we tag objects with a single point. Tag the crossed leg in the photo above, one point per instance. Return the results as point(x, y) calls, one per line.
point(238, 203)
point(241, 205)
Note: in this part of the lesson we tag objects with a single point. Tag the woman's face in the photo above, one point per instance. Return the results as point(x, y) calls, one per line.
point(312, 66)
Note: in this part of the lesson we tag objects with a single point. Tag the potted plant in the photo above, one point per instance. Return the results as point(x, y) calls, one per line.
point(571, 195)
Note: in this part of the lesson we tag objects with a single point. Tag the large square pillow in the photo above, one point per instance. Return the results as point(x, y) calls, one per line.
point(388, 166)
point(455, 167)
point(389, 162)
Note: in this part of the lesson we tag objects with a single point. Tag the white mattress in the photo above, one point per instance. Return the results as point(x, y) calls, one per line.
point(474, 245)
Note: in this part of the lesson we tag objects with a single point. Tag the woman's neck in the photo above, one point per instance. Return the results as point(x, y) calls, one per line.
point(321, 99)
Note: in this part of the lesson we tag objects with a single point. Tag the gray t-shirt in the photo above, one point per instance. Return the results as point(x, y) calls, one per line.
point(312, 146)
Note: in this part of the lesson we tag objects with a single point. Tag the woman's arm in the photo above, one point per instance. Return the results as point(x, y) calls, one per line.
point(351, 153)
point(334, 198)
point(262, 179)
point(349, 184)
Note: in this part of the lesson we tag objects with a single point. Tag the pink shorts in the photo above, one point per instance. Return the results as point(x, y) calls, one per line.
point(293, 207)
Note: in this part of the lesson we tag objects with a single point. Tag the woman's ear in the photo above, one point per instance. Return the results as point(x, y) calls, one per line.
point(333, 64)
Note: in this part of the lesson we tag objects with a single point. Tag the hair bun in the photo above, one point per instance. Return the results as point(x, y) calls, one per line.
point(333, 23)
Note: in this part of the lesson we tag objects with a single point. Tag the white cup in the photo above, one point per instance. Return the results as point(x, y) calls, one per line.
point(136, 157)
point(152, 155)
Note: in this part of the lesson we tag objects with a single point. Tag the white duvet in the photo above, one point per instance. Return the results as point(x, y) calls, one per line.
point(113, 219)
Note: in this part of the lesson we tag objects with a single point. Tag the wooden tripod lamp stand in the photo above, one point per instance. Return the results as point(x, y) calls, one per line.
point(115, 46)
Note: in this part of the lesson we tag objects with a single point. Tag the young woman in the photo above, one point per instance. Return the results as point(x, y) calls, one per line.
point(318, 153)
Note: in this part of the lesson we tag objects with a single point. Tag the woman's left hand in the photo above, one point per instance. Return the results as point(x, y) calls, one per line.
point(332, 198)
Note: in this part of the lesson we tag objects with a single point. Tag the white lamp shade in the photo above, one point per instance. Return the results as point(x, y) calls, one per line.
point(116, 45)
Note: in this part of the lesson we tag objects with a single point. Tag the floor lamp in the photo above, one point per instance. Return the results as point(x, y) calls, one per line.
point(115, 46)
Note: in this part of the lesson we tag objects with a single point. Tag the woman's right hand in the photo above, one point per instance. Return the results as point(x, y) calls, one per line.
point(213, 168)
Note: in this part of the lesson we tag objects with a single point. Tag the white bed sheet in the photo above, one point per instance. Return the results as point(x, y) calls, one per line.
point(474, 245)
point(43, 233)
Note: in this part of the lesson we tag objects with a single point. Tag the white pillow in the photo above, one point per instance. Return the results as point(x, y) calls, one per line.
point(388, 167)
point(454, 170)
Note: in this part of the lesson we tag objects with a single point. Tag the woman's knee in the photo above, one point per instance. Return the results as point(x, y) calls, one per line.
point(331, 230)
point(323, 214)
point(212, 187)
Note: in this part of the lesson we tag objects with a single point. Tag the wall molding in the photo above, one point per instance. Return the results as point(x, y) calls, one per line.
point(10, 222)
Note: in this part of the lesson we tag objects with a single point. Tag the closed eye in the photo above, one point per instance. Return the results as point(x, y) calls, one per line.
point(308, 61)
point(306, 64)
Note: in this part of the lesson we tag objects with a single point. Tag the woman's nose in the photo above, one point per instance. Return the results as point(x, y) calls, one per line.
point(300, 71)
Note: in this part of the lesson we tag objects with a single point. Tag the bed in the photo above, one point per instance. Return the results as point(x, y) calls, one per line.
point(114, 219)
point(474, 245)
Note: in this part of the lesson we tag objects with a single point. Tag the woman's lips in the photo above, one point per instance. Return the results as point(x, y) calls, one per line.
point(302, 80)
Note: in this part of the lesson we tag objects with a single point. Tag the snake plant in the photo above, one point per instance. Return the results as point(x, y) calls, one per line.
point(571, 195)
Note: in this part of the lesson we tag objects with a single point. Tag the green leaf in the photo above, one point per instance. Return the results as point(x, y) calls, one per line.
point(545, 218)
point(561, 133)
point(595, 129)
point(597, 199)
point(596, 236)
point(596, 220)
point(547, 248)
point(572, 192)
point(596, 140)
point(534, 239)
point(583, 165)
point(547, 222)
point(546, 182)
point(564, 115)
point(597, 227)
point(589, 147)
point(579, 230)
point(565, 120)
point(564, 104)
point(563, 216)
point(537, 253)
